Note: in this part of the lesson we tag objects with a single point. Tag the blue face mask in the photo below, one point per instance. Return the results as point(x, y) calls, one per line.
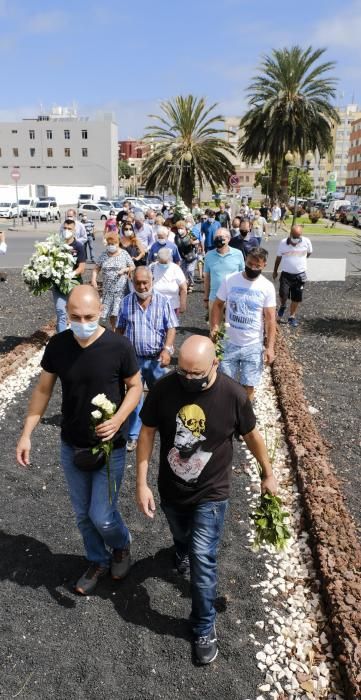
point(163, 265)
point(84, 330)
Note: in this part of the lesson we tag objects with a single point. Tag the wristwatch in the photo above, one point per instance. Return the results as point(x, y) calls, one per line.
point(170, 349)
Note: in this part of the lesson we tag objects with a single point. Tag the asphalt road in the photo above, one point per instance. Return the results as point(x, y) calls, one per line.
point(21, 243)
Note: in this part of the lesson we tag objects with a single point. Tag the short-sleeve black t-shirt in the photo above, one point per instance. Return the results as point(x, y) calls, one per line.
point(78, 252)
point(99, 368)
point(196, 432)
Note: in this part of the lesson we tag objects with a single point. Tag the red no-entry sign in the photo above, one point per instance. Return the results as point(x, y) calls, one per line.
point(15, 174)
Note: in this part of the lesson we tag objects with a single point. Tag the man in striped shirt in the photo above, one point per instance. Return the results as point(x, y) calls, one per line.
point(148, 320)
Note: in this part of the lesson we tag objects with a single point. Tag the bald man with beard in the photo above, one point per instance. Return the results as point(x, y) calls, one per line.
point(196, 411)
point(89, 360)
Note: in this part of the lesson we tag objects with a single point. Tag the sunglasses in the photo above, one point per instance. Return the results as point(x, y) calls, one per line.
point(128, 229)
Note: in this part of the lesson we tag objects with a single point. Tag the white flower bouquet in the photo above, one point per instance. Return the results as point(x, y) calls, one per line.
point(105, 409)
point(52, 264)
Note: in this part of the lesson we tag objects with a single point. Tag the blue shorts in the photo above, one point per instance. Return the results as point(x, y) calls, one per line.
point(244, 364)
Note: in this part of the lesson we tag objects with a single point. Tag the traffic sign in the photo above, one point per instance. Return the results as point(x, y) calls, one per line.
point(15, 174)
point(234, 180)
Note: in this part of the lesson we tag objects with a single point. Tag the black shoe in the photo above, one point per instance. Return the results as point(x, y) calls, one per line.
point(206, 648)
point(182, 563)
point(90, 578)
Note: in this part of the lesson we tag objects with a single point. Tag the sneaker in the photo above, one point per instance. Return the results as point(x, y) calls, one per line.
point(292, 321)
point(89, 580)
point(281, 311)
point(206, 648)
point(131, 445)
point(182, 563)
point(121, 562)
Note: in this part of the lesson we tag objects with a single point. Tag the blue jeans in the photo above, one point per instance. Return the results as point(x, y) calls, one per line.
point(99, 521)
point(244, 364)
point(89, 245)
point(188, 269)
point(60, 310)
point(197, 531)
point(150, 370)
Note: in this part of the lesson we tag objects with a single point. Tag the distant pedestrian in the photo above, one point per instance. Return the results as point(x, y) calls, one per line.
point(147, 319)
point(208, 229)
point(275, 217)
point(219, 263)
point(187, 246)
point(223, 217)
point(111, 224)
point(196, 411)
point(114, 265)
point(77, 248)
point(292, 254)
point(89, 360)
point(90, 228)
point(259, 227)
point(250, 303)
point(264, 211)
point(169, 280)
point(244, 240)
point(162, 239)
point(144, 231)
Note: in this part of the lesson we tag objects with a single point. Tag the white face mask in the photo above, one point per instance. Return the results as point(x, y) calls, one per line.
point(236, 228)
point(111, 248)
point(68, 234)
point(144, 295)
point(161, 241)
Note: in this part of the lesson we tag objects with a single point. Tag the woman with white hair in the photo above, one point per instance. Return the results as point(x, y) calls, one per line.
point(169, 280)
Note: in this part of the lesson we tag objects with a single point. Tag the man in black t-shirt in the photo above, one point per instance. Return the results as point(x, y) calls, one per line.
point(90, 360)
point(196, 411)
point(79, 267)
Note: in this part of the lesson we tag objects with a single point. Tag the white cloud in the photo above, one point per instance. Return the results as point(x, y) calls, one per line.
point(341, 29)
point(45, 22)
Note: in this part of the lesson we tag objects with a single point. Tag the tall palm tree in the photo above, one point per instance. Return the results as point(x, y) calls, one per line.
point(290, 109)
point(189, 148)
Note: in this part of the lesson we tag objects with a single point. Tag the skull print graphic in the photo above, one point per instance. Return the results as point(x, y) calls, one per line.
point(186, 458)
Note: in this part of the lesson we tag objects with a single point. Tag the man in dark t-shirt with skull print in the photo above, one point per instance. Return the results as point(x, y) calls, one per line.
point(196, 411)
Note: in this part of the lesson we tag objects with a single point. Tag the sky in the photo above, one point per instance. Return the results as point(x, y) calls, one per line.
point(126, 57)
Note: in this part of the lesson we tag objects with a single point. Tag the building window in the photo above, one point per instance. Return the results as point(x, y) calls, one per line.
point(14, 131)
point(67, 152)
point(66, 134)
point(32, 134)
point(0, 153)
point(84, 152)
point(49, 134)
point(247, 178)
point(15, 152)
point(49, 152)
point(32, 152)
point(84, 133)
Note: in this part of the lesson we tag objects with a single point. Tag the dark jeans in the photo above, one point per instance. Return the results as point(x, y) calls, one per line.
point(89, 246)
point(197, 531)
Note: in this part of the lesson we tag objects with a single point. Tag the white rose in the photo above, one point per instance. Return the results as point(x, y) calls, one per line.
point(97, 415)
point(99, 400)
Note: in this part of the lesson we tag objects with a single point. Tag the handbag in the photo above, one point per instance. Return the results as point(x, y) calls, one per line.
point(86, 460)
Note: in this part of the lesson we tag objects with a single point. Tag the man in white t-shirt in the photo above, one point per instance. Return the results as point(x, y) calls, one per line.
point(250, 301)
point(275, 217)
point(293, 253)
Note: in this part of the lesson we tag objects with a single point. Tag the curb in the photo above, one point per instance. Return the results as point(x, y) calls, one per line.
point(336, 549)
point(10, 361)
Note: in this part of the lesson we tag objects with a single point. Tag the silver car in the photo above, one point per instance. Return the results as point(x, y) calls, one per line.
point(95, 211)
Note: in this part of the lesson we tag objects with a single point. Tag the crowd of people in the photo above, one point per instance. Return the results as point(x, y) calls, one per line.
point(149, 266)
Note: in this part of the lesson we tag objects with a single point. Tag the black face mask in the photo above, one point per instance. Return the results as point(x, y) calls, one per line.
point(219, 242)
point(193, 386)
point(252, 274)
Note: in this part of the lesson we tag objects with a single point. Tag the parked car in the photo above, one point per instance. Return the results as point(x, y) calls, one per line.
point(154, 202)
point(137, 203)
point(45, 210)
point(8, 209)
point(353, 215)
point(25, 205)
point(96, 211)
point(334, 205)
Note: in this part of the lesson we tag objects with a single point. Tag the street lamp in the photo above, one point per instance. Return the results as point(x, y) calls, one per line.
point(298, 167)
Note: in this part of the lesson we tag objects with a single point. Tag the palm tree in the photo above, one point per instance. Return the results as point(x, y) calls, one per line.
point(189, 148)
point(290, 109)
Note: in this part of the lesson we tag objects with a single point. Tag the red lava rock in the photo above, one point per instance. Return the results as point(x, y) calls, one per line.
point(334, 541)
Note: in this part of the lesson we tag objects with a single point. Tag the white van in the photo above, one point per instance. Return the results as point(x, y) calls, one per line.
point(334, 205)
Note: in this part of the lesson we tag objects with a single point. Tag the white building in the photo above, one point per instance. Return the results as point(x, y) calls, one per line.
point(60, 155)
